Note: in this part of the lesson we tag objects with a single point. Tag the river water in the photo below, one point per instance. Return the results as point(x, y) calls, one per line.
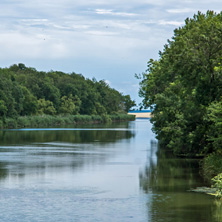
point(98, 173)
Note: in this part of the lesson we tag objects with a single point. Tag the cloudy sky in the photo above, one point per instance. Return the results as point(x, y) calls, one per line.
point(105, 39)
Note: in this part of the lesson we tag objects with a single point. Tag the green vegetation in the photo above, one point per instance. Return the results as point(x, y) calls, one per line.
point(31, 98)
point(212, 165)
point(184, 89)
point(217, 180)
point(49, 120)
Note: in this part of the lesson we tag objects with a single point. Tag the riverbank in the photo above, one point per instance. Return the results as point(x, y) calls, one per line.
point(48, 120)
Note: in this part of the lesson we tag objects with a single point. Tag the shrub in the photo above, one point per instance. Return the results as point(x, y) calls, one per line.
point(212, 165)
point(217, 180)
point(10, 123)
point(23, 121)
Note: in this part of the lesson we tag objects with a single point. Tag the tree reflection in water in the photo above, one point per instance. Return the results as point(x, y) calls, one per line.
point(37, 151)
point(3, 170)
point(167, 180)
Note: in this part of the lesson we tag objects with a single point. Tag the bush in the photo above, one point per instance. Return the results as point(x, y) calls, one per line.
point(217, 180)
point(10, 123)
point(106, 118)
point(212, 165)
point(23, 121)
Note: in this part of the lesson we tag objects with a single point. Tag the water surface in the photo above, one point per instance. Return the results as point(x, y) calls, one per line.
point(97, 173)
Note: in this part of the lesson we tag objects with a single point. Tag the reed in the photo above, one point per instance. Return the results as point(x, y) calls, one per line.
point(49, 120)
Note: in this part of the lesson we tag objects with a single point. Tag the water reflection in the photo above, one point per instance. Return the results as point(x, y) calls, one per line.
point(72, 175)
point(35, 152)
point(91, 174)
point(3, 171)
point(168, 173)
point(167, 179)
point(72, 135)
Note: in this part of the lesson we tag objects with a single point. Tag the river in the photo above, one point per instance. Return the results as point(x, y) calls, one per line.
point(98, 173)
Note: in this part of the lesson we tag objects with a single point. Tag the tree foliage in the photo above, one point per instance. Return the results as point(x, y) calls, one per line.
point(184, 82)
point(215, 125)
point(24, 91)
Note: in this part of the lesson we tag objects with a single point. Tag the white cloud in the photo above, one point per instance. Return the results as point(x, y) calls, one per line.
point(116, 37)
point(174, 23)
point(111, 12)
point(38, 20)
point(100, 33)
point(34, 46)
point(104, 11)
point(181, 10)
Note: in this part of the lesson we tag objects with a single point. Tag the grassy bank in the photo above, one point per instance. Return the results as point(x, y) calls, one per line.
point(48, 120)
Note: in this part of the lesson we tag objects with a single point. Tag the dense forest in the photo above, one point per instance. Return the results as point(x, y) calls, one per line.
point(184, 88)
point(24, 91)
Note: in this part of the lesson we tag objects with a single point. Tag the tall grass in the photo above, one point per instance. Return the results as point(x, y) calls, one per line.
point(48, 120)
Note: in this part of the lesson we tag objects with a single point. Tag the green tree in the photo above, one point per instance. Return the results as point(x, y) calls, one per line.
point(70, 105)
point(50, 92)
point(46, 107)
point(214, 118)
point(3, 109)
point(128, 103)
point(30, 104)
point(26, 91)
point(181, 85)
point(100, 109)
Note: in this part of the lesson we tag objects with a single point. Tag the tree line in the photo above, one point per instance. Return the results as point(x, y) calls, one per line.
point(184, 87)
point(24, 91)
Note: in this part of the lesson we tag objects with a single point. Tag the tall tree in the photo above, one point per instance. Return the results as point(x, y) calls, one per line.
point(26, 91)
point(181, 85)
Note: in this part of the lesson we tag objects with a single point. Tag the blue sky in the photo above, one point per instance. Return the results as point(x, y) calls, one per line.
point(110, 40)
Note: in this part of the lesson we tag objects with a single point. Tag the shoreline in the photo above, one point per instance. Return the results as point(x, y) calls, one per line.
point(48, 120)
point(141, 114)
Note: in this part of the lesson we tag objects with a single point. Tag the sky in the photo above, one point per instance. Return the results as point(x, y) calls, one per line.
point(110, 40)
